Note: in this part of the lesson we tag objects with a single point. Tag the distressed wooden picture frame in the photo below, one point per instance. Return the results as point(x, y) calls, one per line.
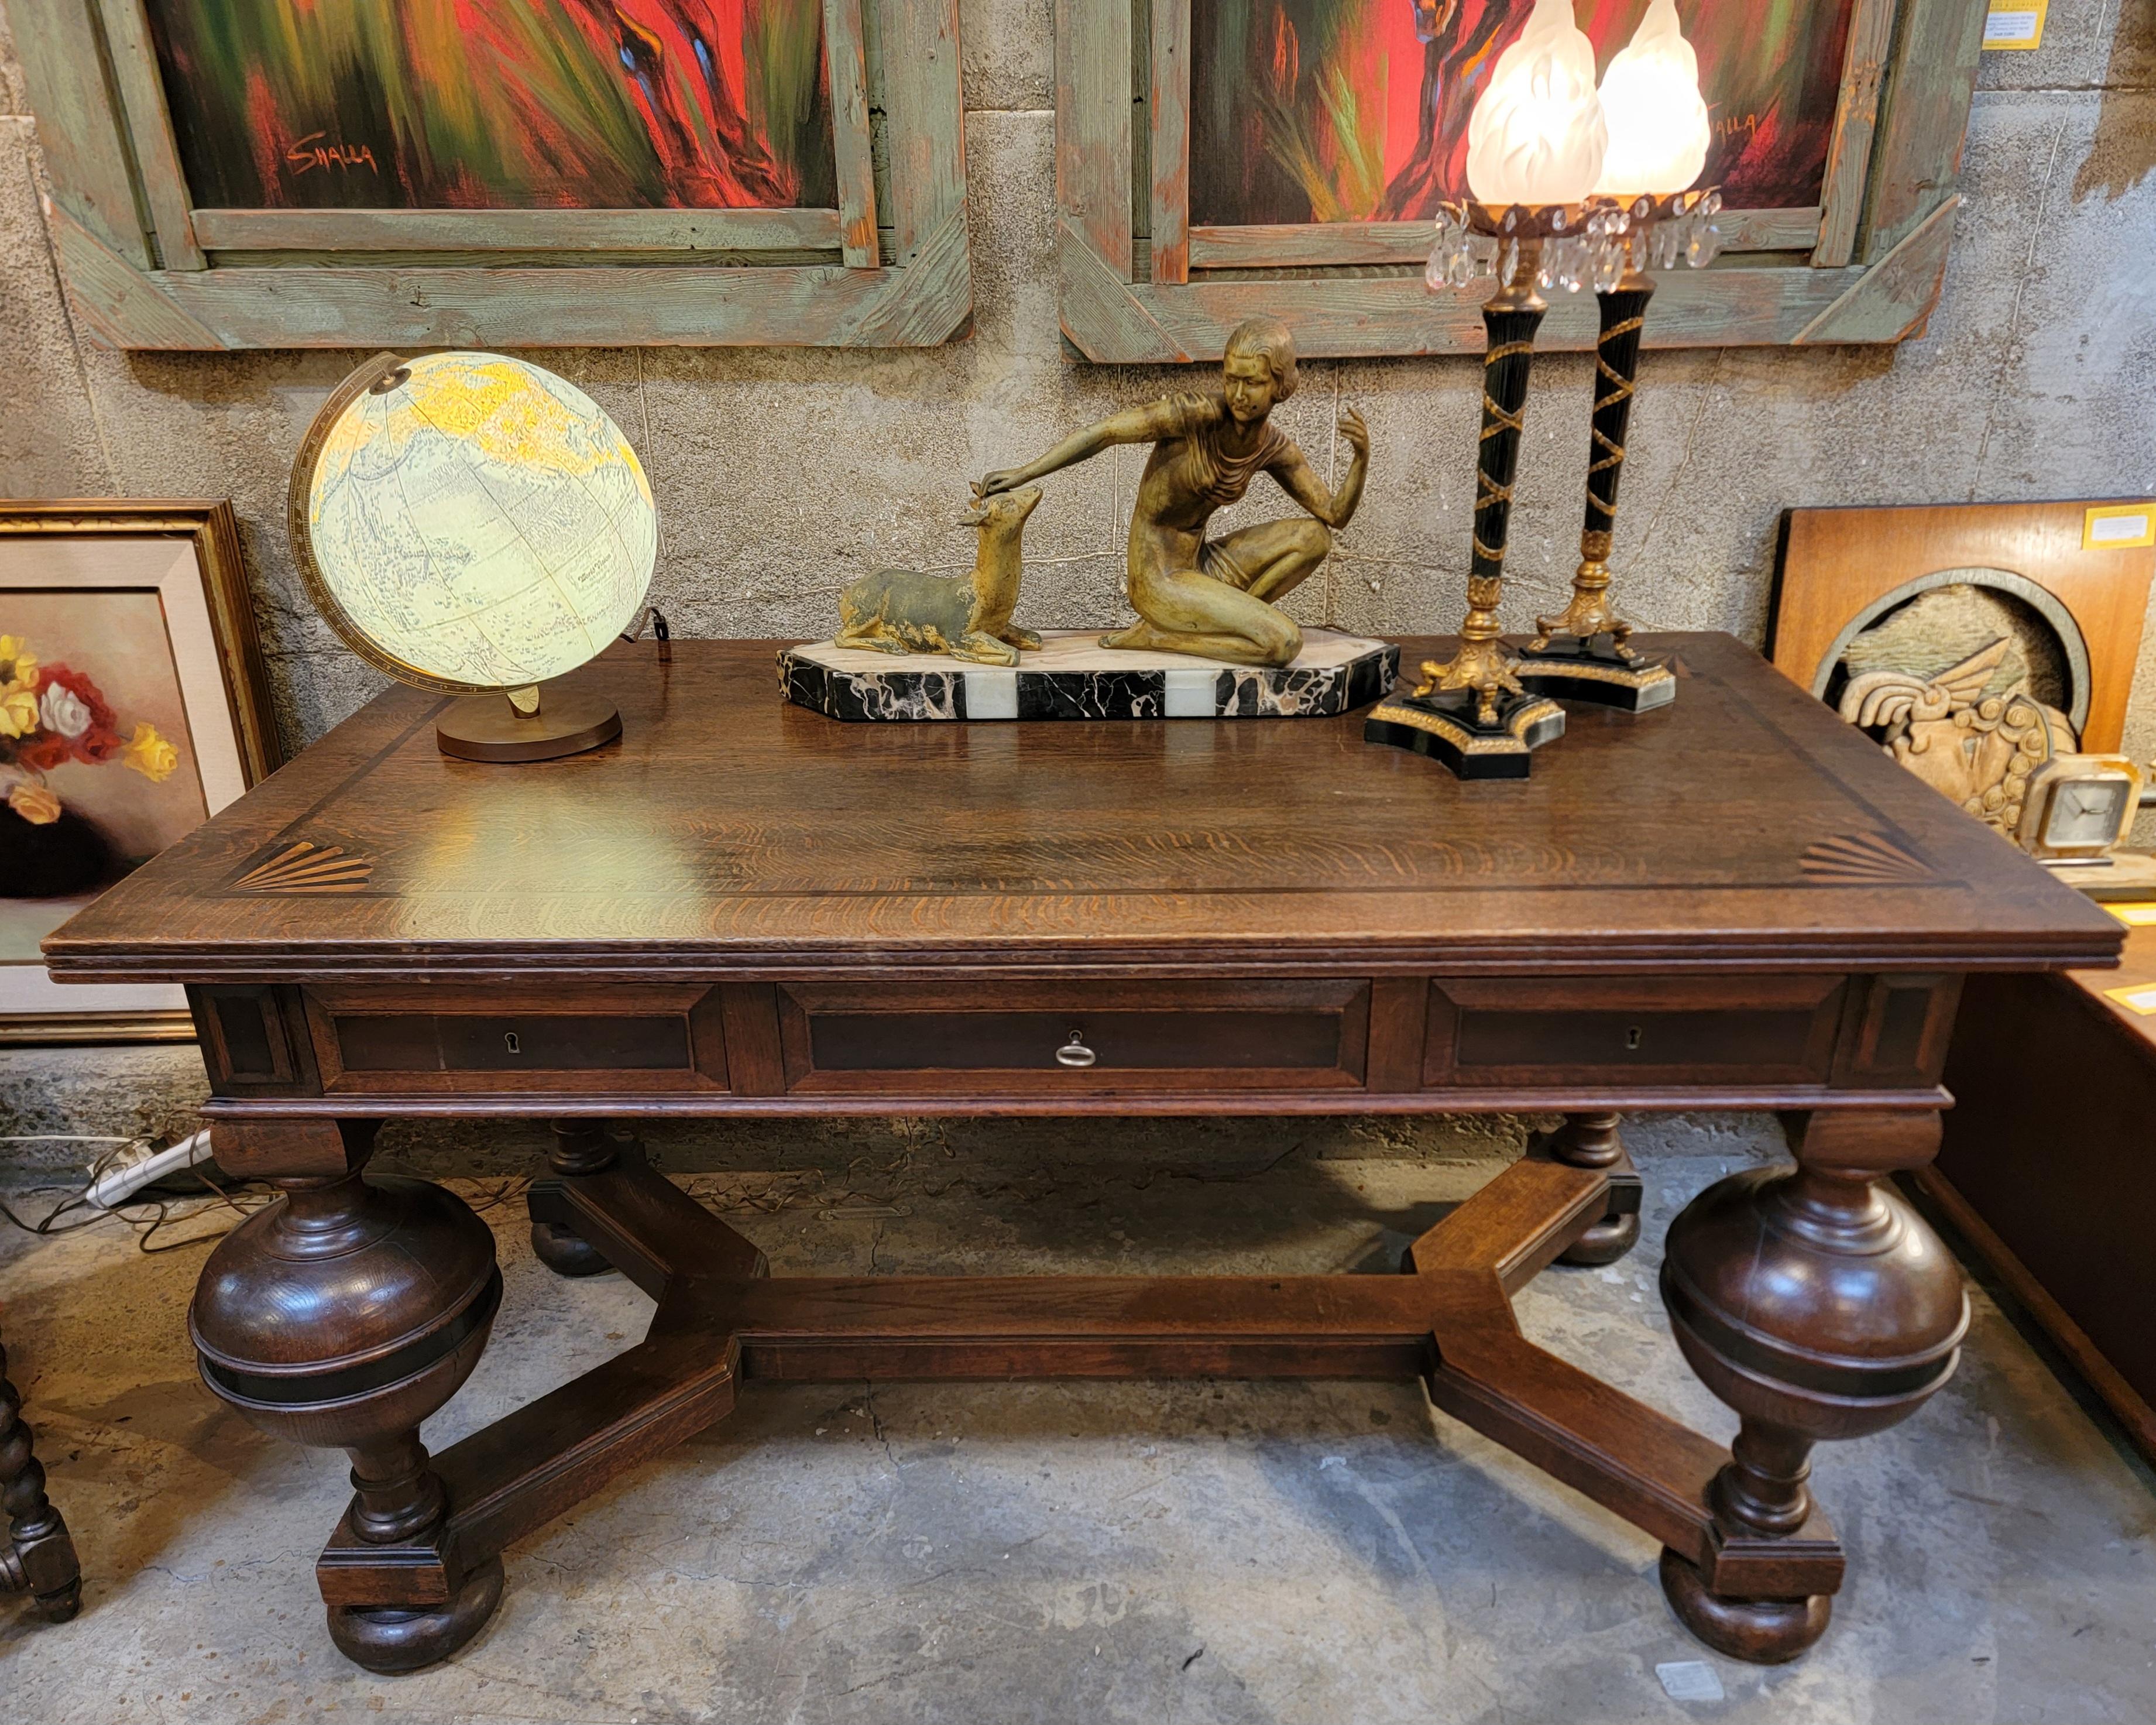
point(145, 267)
point(1139, 283)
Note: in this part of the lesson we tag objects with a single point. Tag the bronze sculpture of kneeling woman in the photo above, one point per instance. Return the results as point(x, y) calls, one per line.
point(1214, 597)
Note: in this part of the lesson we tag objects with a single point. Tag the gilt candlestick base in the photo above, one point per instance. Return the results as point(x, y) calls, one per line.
point(1456, 729)
point(1584, 653)
point(1600, 669)
point(1472, 713)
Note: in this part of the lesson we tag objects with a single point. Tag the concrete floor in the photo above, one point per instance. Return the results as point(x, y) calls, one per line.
point(1190, 1552)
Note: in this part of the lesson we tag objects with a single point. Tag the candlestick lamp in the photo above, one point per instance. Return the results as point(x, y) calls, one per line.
point(1644, 212)
point(1571, 185)
point(1535, 145)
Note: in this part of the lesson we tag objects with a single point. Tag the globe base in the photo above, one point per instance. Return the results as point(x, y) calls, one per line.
point(486, 728)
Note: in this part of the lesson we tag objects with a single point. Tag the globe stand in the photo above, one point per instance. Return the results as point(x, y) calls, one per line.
point(516, 726)
point(382, 402)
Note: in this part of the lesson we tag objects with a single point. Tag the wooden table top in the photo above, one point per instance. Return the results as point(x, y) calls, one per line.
point(2137, 970)
point(731, 833)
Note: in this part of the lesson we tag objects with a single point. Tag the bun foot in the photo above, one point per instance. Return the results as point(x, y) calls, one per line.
point(566, 1253)
point(62, 1603)
point(1592, 1141)
point(581, 1147)
point(1758, 1631)
point(390, 1640)
point(36, 1555)
point(1605, 1243)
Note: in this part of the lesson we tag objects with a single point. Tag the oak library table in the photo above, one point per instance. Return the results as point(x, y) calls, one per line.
point(744, 908)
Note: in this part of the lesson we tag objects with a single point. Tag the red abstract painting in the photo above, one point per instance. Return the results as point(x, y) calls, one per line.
point(1344, 111)
point(498, 104)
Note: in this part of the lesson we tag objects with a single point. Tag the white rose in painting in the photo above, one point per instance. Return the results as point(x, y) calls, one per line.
point(62, 711)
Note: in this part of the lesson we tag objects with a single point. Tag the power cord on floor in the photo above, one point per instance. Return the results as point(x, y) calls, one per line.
point(149, 1216)
point(154, 1212)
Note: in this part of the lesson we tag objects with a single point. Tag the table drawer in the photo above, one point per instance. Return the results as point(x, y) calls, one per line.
point(1673, 1030)
point(1073, 1038)
point(634, 1039)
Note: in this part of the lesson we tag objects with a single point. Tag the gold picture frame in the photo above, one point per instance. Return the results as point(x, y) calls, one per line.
point(186, 553)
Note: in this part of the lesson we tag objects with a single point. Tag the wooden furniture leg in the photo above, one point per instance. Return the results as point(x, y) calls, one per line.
point(528, 1467)
point(1819, 1305)
point(1591, 1141)
point(721, 1319)
point(581, 1147)
point(1811, 1300)
point(343, 1315)
point(38, 1556)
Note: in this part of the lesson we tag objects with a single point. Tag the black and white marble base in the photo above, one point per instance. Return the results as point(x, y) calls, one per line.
point(1073, 676)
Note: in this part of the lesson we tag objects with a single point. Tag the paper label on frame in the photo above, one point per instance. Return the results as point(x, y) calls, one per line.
point(2140, 997)
point(2119, 526)
point(2014, 23)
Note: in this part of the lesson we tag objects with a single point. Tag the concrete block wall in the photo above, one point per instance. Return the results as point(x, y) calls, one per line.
point(2032, 382)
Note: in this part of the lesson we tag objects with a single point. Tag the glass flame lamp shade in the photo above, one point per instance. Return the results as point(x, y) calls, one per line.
point(472, 524)
point(1656, 116)
point(1537, 136)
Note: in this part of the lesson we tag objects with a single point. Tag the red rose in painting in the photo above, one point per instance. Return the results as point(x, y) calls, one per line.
point(75, 722)
point(54, 716)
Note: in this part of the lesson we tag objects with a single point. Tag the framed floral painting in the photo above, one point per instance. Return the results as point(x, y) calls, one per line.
point(132, 708)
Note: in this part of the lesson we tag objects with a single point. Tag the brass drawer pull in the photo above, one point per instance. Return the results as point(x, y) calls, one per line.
point(1075, 1053)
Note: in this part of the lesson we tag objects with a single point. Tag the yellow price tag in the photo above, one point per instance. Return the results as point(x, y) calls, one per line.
point(2014, 23)
point(2119, 526)
point(2140, 998)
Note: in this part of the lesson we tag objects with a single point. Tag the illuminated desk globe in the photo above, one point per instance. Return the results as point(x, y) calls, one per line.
point(469, 523)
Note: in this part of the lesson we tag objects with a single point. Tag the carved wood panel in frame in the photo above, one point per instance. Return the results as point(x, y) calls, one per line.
point(1141, 281)
point(1837, 572)
point(150, 265)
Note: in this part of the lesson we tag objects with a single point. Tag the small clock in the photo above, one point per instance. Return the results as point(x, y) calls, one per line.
point(2079, 806)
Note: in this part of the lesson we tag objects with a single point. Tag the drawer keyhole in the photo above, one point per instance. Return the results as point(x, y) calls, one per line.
point(1075, 1053)
point(1632, 1038)
point(509, 1042)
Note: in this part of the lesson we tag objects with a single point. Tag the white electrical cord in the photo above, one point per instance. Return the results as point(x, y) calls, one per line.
point(118, 1183)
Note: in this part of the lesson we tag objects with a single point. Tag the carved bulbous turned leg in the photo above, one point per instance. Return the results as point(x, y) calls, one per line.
point(1591, 1141)
point(581, 1147)
point(344, 1315)
point(1816, 1303)
point(36, 1556)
